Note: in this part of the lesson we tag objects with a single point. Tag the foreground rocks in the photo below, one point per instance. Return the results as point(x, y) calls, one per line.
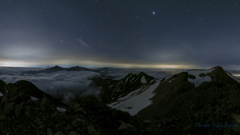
point(20, 115)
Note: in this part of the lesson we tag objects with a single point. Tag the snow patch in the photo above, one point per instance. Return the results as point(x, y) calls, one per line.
point(143, 79)
point(198, 80)
point(34, 99)
point(135, 100)
point(170, 81)
point(61, 109)
point(233, 77)
point(1, 94)
point(167, 78)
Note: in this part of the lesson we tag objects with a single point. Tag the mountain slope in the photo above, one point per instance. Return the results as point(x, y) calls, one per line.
point(203, 96)
point(29, 89)
point(23, 115)
point(114, 89)
point(182, 103)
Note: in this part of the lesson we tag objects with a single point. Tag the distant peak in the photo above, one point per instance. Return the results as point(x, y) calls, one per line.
point(217, 67)
point(142, 73)
point(56, 67)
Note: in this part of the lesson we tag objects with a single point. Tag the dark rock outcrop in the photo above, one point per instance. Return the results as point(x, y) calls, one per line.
point(20, 114)
point(181, 107)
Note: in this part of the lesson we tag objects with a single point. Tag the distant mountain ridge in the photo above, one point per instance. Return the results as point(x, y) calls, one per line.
point(58, 68)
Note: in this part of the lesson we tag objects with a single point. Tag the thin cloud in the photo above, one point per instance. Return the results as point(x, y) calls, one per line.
point(84, 44)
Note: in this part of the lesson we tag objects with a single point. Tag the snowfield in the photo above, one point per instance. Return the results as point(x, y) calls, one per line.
point(198, 80)
point(61, 109)
point(233, 77)
point(34, 99)
point(135, 100)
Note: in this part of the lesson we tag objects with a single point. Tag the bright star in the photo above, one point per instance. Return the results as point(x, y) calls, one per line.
point(153, 12)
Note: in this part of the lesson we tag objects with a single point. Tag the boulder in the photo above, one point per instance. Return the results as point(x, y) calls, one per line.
point(92, 130)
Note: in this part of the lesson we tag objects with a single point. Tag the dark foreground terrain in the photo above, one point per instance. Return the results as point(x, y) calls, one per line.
point(178, 107)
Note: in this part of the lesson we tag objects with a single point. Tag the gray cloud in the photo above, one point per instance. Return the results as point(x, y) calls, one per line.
point(70, 84)
point(84, 44)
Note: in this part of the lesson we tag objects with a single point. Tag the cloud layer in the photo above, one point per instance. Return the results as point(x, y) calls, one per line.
point(71, 84)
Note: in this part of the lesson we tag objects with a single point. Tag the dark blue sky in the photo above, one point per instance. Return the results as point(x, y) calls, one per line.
point(120, 33)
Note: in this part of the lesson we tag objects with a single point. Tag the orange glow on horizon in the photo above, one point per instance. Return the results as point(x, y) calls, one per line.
point(9, 63)
point(14, 64)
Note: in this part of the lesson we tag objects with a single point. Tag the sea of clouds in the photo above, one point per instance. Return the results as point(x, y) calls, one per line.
point(70, 84)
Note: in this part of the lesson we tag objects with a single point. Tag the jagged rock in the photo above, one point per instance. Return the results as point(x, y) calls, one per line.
point(59, 133)
point(73, 133)
point(2, 117)
point(9, 109)
point(125, 126)
point(147, 121)
point(49, 131)
point(18, 110)
point(80, 110)
point(92, 130)
point(46, 105)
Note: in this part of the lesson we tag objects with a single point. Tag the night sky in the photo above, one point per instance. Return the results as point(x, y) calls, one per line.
point(120, 33)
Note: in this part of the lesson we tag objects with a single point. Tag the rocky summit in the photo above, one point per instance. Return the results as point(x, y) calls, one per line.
point(194, 102)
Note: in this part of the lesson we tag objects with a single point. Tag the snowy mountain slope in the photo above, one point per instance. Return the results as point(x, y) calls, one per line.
point(199, 78)
point(206, 96)
point(135, 100)
point(114, 89)
point(170, 88)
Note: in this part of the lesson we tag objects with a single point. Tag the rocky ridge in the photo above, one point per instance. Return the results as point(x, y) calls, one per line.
point(23, 112)
point(114, 89)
